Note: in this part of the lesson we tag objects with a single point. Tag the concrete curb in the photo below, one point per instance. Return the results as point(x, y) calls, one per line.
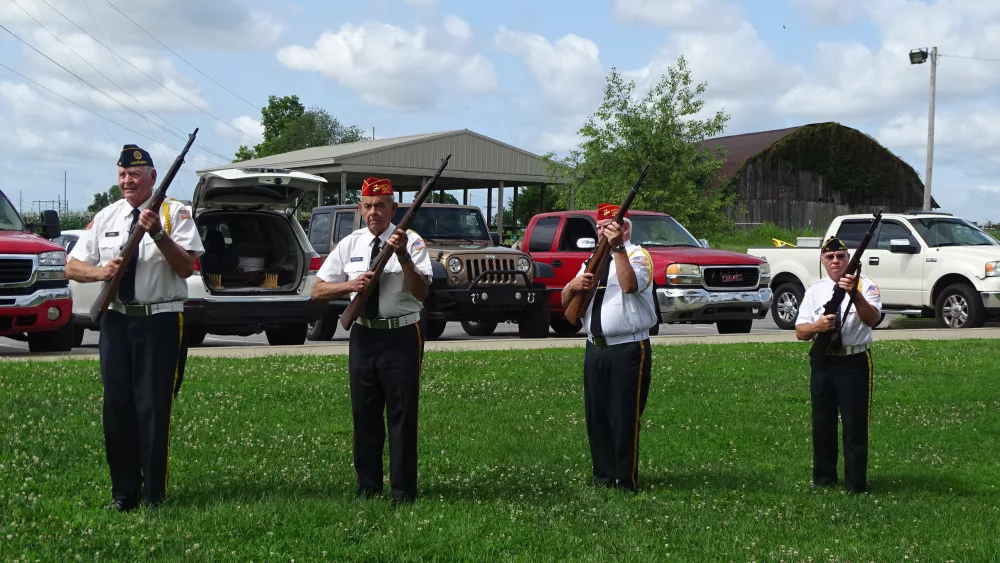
point(340, 349)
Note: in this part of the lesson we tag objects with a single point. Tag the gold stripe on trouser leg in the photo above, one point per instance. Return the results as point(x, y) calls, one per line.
point(868, 355)
point(170, 417)
point(420, 350)
point(638, 404)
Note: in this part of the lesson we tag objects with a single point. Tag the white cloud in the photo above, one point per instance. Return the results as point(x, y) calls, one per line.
point(828, 12)
point(690, 15)
point(389, 66)
point(457, 27)
point(251, 129)
point(421, 2)
point(568, 71)
point(851, 79)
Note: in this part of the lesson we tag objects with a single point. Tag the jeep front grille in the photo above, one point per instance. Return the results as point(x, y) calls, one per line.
point(15, 270)
point(477, 266)
point(730, 278)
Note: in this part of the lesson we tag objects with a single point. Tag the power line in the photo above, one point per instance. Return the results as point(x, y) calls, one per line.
point(971, 58)
point(178, 56)
point(108, 96)
point(162, 85)
point(101, 116)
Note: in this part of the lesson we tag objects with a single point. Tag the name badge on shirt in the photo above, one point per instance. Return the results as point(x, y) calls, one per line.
point(357, 258)
point(111, 234)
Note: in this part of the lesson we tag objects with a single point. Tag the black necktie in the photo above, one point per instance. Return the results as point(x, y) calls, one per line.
point(126, 290)
point(371, 308)
point(595, 313)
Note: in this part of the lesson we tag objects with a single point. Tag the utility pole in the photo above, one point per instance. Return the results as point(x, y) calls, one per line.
point(930, 132)
point(65, 200)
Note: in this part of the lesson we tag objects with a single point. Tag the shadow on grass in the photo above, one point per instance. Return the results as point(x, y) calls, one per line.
point(917, 483)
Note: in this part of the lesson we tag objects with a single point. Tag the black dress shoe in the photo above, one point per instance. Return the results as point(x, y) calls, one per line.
point(121, 506)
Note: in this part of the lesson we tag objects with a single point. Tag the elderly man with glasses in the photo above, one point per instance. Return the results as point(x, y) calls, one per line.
point(843, 380)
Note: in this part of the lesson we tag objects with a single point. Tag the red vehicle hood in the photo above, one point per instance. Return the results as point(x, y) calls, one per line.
point(701, 256)
point(19, 242)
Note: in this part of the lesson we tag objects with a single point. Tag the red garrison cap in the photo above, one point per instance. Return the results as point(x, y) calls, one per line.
point(376, 186)
point(607, 211)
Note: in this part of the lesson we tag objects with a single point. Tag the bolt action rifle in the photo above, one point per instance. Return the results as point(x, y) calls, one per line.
point(357, 305)
point(825, 342)
point(109, 288)
point(578, 305)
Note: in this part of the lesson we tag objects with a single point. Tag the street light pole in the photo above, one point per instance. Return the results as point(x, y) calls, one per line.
point(930, 132)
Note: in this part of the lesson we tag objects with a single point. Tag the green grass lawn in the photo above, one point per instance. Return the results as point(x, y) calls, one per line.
point(261, 463)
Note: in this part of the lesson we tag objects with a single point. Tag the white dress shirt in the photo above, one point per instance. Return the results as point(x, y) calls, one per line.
point(855, 331)
point(352, 257)
point(155, 281)
point(626, 313)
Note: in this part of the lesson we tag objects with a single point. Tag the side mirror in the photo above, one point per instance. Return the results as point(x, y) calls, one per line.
point(495, 238)
point(586, 243)
point(902, 246)
point(703, 243)
point(50, 224)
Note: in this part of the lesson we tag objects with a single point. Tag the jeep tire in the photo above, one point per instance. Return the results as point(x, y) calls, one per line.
point(479, 328)
point(534, 323)
point(435, 328)
point(563, 327)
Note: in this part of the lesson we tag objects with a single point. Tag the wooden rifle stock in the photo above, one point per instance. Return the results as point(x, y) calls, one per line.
point(109, 288)
point(824, 342)
point(578, 305)
point(357, 305)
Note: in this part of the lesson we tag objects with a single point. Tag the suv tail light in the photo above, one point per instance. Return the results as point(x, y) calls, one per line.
point(315, 262)
point(197, 265)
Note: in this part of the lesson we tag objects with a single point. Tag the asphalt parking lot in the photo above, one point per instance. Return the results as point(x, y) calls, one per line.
point(454, 333)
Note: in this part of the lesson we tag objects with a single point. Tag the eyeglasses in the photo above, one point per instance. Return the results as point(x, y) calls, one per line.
point(838, 256)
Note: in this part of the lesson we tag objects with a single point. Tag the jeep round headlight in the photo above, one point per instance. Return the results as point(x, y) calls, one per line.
point(54, 258)
point(523, 264)
point(454, 264)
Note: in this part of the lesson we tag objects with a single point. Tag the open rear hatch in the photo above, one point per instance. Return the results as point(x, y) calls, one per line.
point(248, 247)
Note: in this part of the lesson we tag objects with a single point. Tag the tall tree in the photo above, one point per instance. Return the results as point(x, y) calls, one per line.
point(104, 199)
point(660, 128)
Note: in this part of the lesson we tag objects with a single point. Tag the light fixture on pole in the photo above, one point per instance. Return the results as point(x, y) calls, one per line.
point(920, 56)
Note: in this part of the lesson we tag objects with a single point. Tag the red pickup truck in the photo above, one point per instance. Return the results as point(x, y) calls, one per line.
point(35, 303)
point(691, 282)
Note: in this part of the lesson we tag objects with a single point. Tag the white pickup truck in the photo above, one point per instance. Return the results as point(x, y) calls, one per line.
point(931, 265)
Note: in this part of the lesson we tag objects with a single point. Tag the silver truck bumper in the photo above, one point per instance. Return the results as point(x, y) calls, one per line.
point(700, 305)
point(37, 298)
point(991, 300)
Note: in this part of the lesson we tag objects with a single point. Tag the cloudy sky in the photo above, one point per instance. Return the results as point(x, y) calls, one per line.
point(525, 72)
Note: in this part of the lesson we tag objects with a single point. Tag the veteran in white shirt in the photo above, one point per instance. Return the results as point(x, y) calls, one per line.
point(142, 347)
point(618, 359)
point(386, 342)
point(842, 381)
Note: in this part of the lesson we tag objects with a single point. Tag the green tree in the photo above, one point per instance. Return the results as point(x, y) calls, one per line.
point(289, 126)
point(104, 199)
point(661, 129)
point(435, 197)
point(529, 204)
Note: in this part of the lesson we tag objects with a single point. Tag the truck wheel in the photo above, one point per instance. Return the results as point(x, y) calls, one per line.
point(58, 340)
point(785, 309)
point(654, 330)
point(959, 306)
point(323, 328)
point(562, 327)
point(734, 326)
point(78, 332)
point(435, 328)
point(535, 323)
point(478, 328)
point(291, 335)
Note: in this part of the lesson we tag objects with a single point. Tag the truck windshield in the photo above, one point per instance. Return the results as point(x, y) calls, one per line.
point(657, 230)
point(446, 223)
point(9, 219)
point(951, 232)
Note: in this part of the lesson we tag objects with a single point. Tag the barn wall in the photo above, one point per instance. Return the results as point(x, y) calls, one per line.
point(796, 199)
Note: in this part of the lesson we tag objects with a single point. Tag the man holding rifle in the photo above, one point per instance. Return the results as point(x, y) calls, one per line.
point(386, 343)
point(842, 380)
point(618, 359)
point(141, 345)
